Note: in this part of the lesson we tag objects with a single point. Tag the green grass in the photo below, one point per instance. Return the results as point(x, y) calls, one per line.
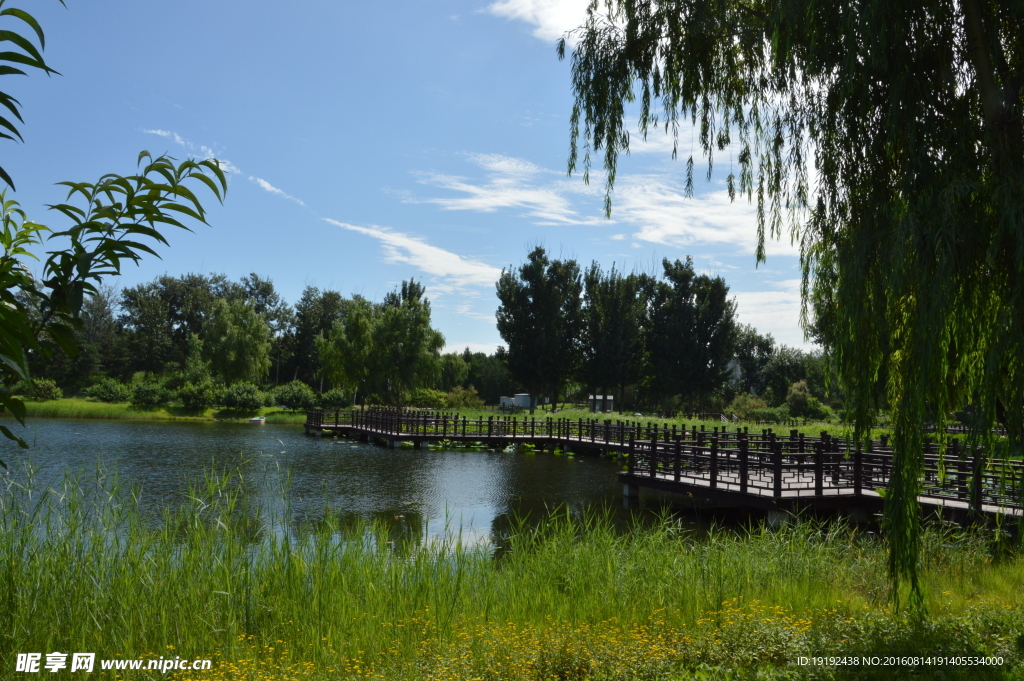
point(812, 428)
point(81, 568)
point(79, 408)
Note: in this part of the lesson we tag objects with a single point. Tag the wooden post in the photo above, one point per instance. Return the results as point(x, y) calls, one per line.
point(513, 427)
point(819, 469)
point(777, 465)
point(976, 487)
point(677, 465)
point(858, 471)
point(632, 455)
point(961, 491)
point(714, 462)
point(654, 459)
point(744, 462)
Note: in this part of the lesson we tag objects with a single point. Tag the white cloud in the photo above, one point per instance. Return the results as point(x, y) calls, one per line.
point(203, 150)
point(513, 183)
point(452, 270)
point(274, 190)
point(655, 205)
point(550, 18)
point(664, 215)
point(774, 311)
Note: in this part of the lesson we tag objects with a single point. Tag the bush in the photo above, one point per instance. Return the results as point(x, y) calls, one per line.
point(148, 396)
point(198, 396)
point(109, 390)
point(769, 415)
point(427, 398)
point(335, 399)
point(744, 403)
point(45, 389)
point(295, 395)
point(804, 405)
point(466, 398)
point(245, 396)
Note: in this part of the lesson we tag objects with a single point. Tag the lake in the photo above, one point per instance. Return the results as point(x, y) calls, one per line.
point(298, 478)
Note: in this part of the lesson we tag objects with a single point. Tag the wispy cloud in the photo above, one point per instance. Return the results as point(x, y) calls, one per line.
point(200, 149)
point(451, 270)
point(274, 190)
point(512, 183)
point(226, 166)
point(550, 18)
point(665, 215)
point(656, 206)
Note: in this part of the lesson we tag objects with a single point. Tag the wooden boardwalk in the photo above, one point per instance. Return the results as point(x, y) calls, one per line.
point(726, 465)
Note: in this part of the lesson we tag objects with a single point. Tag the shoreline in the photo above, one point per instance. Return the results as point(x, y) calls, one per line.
point(77, 408)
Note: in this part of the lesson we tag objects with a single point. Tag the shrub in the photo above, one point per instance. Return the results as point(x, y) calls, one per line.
point(198, 396)
point(45, 389)
point(295, 395)
point(770, 415)
point(744, 403)
point(148, 396)
point(460, 397)
point(335, 399)
point(109, 390)
point(245, 396)
point(804, 405)
point(427, 398)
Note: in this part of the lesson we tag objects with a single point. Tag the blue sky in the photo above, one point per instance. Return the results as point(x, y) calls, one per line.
point(369, 143)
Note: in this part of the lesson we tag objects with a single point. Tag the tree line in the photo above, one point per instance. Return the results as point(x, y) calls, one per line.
point(204, 339)
point(665, 343)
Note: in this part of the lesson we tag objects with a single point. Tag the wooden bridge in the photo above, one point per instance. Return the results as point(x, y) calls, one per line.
point(725, 465)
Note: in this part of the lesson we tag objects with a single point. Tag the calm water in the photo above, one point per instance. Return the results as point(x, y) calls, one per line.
point(300, 477)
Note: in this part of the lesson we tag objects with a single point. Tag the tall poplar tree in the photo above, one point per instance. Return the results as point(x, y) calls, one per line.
point(612, 345)
point(539, 318)
point(911, 234)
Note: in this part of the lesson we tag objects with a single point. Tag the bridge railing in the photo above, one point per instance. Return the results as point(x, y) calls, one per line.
point(767, 463)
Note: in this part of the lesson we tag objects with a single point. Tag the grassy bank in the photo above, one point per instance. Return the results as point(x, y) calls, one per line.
point(78, 408)
point(811, 428)
point(571, 599)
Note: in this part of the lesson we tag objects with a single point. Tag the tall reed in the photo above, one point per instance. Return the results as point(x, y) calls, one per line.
point(82, 568)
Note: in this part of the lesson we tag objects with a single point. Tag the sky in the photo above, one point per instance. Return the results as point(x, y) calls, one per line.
point(369, 143)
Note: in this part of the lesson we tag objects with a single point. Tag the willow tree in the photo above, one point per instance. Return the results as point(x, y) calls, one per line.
point(884, 137)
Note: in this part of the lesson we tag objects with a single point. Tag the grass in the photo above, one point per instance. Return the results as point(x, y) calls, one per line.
point(80, 408)
point(812, 428)
point(83, 569)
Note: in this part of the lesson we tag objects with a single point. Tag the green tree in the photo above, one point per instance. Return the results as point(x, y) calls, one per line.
point(752, 351)
point(237, 342)
point(454, 371)
point(405, 347)
point(145, 318)
point(315, 314)
point(295, 395)
point(613, 314)
point(389, 349)
point(278, 315)
point(540, 319)
point(345, 351)
point(910, 115)
point(489, 374)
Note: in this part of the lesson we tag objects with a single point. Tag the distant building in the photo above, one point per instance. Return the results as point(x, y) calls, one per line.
point(600, 403)
point(518, 401)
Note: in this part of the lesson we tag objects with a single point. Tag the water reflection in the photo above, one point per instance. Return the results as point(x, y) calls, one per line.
point(301, 481)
